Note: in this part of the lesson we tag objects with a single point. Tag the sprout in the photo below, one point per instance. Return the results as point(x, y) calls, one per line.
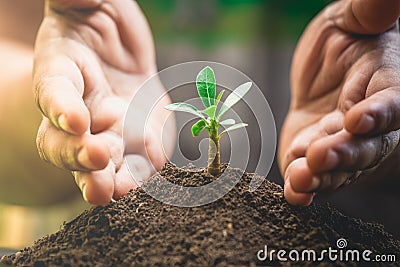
point(210, 118)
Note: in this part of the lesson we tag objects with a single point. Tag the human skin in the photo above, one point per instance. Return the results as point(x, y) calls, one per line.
point(344, 118)
point(90, 58)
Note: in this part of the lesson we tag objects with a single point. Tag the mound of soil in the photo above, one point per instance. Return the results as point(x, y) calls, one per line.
point(138, 230)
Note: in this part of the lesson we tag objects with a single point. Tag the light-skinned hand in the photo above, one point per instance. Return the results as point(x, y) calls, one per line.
point(90, 58)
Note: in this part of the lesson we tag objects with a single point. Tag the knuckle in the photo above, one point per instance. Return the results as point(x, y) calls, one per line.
point(293, 154)
point(41, 94)
point(44, 91)
point(349, 154)
point(393, 115)
point(37, 93)
point(67, 161)
point(116, 147)
point(325, 182)
point(386, 117)
point(39, 90)
point(387, 111)
point(41, 143)
point(349, 178)
point(390, 142)
point(387, 144)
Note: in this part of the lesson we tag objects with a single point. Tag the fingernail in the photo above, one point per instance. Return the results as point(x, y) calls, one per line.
point(310, 201)
point(83, 159)
point(365, 124)
point(62, 122)
point(286, 183)
point(331, 159)
point(84, 193)
point(315, 182)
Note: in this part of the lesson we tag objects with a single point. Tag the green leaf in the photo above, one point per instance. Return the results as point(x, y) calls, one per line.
point(206, 87)
point(184, 107)
point(227, 122)
point(234, 127)
point(210, 111)
point(198, 127)
point(219, 97)
point(234, 97)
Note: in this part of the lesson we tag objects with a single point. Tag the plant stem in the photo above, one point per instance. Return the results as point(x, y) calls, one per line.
point(213, 150)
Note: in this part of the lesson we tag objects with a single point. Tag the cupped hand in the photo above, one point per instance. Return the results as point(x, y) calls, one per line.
point(91, 56)
point(344, 117)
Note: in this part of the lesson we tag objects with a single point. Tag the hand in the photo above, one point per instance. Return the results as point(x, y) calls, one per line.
point(90, 58)
point(343, 122)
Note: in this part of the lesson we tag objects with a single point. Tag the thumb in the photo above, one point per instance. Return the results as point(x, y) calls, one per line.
point(371, 16)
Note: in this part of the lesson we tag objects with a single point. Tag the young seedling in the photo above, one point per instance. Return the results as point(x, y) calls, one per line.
point(210, 119)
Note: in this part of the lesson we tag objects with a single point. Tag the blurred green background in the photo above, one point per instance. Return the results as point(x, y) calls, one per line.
point(255, 36)
point(210, 23)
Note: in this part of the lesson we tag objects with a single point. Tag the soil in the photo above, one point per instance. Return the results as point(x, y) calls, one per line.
point(138, 230)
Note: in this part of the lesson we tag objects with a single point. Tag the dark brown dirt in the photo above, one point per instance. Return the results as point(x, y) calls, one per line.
point(138, 230)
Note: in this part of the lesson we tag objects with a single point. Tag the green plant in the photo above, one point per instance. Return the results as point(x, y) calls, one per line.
point(210, 118)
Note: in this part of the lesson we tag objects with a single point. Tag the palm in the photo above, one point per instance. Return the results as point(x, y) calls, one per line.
point(330, 84)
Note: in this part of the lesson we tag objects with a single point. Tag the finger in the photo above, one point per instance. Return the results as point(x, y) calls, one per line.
point(329, 124)
point(333, 180)
point(76, 4)
point(355, 86)
point(135, 170)
point(146, 142)
point(299, 145)
point(346, 152)
point(297, 199)
point(301, 178)
point(83, 153)
point(58, 89)
point(98, 186)
point(154, 149)
point(123, 182)
point(371, 16)
point(377, 114)
point(132, 174)
point(140, 168)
